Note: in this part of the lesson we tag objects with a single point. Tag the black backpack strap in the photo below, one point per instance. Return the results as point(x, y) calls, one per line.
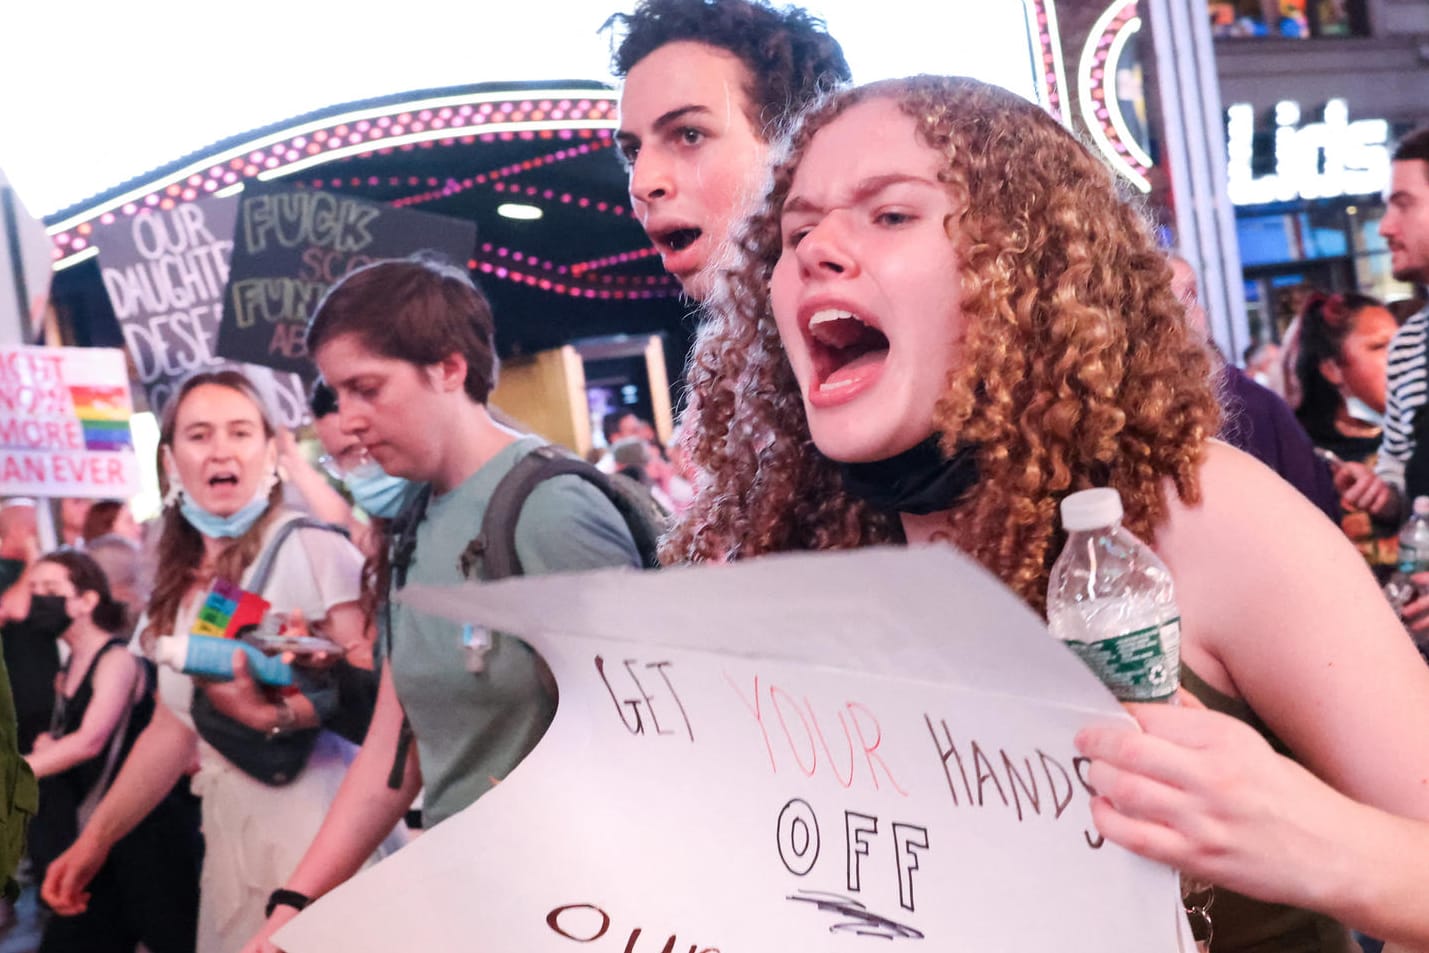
point(403, 547)
point(496, 546)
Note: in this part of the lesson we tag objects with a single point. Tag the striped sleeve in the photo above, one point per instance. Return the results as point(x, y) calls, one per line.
point(1407, 390)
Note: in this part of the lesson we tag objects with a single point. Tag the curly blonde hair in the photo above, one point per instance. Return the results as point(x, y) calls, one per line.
point(1077, 369)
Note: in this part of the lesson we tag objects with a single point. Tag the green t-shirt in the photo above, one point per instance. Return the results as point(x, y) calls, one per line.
point(473, 728)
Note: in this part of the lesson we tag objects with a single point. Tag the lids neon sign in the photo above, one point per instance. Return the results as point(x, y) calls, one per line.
point(1317, 160)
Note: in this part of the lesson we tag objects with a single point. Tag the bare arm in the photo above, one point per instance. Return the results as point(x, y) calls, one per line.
point(362, 815)
point(155, 763)
point(15, 601)
point(114, 684)
point(1280, 610)
point(1205, 794)
point(326, 503)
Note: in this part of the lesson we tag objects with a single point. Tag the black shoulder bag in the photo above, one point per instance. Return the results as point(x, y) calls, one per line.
point(274, 759)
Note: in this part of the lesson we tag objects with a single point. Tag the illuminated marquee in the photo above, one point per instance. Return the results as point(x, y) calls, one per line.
point(1316, 160)
point(581, 121)
point(1097, 87)
point(577, 121)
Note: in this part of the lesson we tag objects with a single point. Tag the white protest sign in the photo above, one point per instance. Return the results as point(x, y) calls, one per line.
point(64, 423)
point(821, 752)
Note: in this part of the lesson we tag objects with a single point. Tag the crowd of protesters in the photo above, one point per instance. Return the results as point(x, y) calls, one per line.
point(928, 317)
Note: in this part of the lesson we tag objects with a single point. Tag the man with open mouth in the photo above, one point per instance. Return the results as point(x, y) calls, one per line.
point(707, 86)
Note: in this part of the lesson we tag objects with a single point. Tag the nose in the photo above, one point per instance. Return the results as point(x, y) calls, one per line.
point(1387, 223)
point(221, 446)
point(825, 250)
point(349, 421)
point(650, 177)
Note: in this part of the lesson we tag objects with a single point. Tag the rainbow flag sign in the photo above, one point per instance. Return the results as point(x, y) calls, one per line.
point(228, 610)
point(64, 423)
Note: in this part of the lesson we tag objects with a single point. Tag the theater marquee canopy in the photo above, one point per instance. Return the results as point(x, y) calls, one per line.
point(454, 108)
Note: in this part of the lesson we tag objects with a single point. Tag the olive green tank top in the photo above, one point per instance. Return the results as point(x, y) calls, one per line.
point(1240, 923)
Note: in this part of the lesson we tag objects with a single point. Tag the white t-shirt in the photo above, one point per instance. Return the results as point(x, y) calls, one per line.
point(255, 834)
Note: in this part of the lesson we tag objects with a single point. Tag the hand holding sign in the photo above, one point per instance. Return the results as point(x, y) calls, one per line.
point(792, 753)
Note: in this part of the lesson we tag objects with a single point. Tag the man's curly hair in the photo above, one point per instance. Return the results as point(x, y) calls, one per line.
point(1077, 369)
point(789, 56)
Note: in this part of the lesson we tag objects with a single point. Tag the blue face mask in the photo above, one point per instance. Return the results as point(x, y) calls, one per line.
point(224, 527)
point(377, 492)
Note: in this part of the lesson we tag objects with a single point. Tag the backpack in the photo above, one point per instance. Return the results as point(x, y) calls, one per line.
point(495, 545)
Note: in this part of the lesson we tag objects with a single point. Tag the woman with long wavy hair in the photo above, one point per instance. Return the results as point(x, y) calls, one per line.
point(224, 510)
point(941, 322)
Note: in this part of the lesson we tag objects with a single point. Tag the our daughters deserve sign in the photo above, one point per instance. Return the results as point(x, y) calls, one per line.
point(856, 751)
point(165, 271)
point(64, 423)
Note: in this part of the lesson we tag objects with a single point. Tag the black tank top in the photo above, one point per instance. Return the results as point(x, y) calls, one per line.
point(69, 714)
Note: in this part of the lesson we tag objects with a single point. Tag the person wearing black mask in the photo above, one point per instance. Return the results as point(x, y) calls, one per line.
point(147, 890)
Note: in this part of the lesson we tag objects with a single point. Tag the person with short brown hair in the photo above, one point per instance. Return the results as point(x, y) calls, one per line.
point(407, 346)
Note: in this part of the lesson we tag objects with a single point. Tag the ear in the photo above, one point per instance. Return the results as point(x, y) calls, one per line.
point(449, 374)
point(90, 600)
point(171, 466)
point(1330, 370)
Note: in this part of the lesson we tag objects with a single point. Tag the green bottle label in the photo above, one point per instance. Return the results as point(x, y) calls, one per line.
point(1139, 666)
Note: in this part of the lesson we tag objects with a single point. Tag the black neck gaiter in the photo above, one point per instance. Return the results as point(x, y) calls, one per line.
point(919, 480)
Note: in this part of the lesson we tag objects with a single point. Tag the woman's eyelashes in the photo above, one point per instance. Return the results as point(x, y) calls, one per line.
point(881, 218)
point(893, 218)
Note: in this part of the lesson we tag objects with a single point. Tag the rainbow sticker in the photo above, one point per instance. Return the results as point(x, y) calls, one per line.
point(103, 413)
point(228, 610)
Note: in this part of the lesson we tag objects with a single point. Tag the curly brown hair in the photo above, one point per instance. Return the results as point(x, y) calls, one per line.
point(1077, 368)
point(787, 54)
point(181, 550)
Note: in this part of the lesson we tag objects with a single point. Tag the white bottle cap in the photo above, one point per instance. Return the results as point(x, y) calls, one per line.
point(171, 650)
point(1091, 509)
point(1421, 506)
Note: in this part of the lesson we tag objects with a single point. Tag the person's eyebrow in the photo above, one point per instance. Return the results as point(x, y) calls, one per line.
point(663, 122)
point(864, 190)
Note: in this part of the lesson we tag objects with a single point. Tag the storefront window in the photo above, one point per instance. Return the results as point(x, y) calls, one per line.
point(1288, 18)
point(1292, 249)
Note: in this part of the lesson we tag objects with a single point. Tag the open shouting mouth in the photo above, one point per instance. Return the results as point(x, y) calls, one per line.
point(848, 354)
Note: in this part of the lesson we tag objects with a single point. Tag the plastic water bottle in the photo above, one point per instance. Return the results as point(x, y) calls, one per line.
point(1111, 600)
point(1413, 556)
point(212, 657)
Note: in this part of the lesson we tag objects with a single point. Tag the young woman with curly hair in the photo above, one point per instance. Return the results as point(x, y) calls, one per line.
point(943, 320)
